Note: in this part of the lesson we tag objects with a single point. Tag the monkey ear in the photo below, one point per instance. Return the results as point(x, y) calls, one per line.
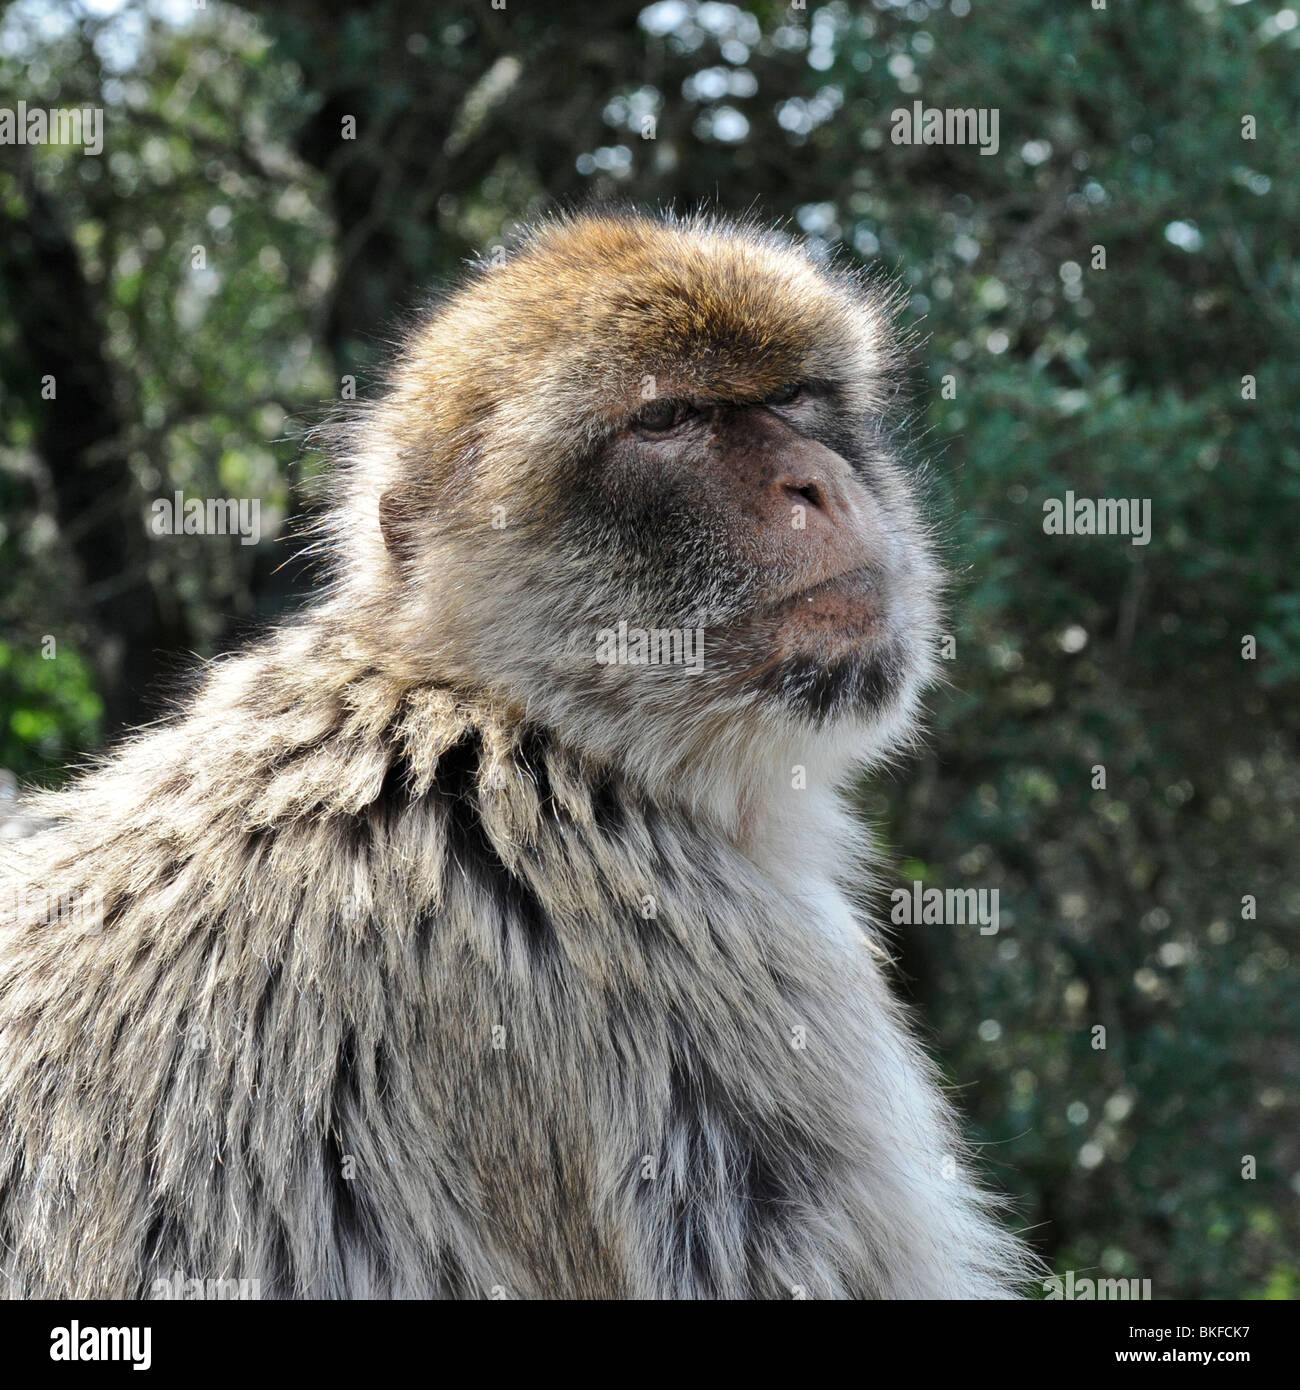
point(394, 522)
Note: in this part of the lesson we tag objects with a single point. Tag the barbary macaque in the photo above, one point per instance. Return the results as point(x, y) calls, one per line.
point(486, 929)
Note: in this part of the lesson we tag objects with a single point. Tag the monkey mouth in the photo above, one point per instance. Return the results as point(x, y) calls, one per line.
point(860, 578)
point(832, 618)
point(828, 650)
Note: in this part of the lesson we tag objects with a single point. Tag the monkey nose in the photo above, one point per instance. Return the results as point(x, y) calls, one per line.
point(816, 491)
point(811, 492)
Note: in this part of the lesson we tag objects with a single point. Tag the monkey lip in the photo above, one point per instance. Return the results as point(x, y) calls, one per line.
point(861, 584)
point(831, 618)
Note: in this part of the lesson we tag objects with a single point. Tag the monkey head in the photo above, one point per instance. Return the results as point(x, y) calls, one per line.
point(636, 479)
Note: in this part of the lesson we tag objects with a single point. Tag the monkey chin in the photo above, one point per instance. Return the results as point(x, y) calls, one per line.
point(832, 653)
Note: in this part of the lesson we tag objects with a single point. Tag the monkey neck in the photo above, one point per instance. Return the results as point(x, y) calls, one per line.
point(770, 791)
point(319, 700)
point(330, 737)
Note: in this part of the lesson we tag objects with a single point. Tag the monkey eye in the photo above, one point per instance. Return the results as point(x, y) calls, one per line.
point(787, 395)
point(661, 416)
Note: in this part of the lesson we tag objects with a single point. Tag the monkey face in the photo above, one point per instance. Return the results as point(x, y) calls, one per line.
point(638, 479)
point(751, 527)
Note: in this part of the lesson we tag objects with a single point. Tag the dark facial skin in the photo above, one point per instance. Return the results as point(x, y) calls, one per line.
point(741, 504)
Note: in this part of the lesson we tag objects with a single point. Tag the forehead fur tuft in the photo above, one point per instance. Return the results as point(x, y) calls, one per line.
point(592, 315)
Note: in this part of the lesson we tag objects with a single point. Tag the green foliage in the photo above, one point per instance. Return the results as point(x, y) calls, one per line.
point(52, 712)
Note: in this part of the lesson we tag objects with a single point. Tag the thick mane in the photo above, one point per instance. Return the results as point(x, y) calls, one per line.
point(420, 956)
point(325, 955)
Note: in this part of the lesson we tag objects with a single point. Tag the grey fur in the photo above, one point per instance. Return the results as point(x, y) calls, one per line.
point(432, 965)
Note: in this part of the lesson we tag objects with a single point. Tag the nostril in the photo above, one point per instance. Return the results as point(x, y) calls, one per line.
point(809, 493)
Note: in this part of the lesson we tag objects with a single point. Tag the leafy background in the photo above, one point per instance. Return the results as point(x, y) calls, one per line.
point(1120, 127)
